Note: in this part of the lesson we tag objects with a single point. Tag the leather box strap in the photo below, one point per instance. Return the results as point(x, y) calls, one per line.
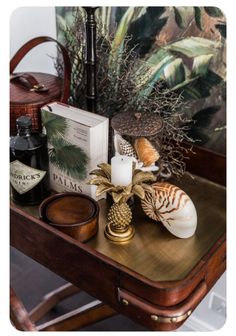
point(67, 65)
point(28, 82)
point(159, 314)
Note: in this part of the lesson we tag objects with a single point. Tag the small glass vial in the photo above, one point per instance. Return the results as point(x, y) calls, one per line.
point(29, 167)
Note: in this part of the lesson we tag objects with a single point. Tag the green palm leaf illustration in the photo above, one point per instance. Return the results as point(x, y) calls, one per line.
point(70, 159)
point(54, 124)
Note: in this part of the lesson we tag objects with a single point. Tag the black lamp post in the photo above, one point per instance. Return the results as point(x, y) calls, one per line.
point(90, 59)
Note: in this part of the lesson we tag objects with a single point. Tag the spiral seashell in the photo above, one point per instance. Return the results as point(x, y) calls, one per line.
point(146, 152)
point(123, 147)
point(173, 207)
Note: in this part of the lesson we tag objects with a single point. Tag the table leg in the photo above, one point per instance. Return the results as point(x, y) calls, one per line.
point(51, 299)
point(79, 318)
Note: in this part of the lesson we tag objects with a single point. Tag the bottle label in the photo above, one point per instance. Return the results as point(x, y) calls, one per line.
point(24, 178)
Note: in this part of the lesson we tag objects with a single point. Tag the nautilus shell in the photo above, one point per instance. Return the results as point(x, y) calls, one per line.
point(123, 147)
point(146, 151)
point(173, 207)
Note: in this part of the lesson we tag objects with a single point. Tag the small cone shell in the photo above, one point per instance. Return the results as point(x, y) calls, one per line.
point(123, 147)
point(146, 151)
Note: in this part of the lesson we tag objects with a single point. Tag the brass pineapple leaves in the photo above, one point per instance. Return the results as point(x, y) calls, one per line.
point(120, 194)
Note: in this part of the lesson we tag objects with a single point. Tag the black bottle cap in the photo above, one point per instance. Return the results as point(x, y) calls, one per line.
point(24, 121)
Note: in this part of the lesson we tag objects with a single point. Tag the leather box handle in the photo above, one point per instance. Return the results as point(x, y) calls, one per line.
point(67, 65)
point(174, 314)
point(28, 82)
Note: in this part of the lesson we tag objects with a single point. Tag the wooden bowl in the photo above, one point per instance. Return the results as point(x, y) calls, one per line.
point(74, 214)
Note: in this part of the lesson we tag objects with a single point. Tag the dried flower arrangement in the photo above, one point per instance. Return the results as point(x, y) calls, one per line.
point(130, 83)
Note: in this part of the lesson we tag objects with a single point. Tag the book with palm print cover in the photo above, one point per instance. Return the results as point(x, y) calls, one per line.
point(77, 143)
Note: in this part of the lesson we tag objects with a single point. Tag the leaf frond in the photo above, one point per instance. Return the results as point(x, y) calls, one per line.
point(68, 158)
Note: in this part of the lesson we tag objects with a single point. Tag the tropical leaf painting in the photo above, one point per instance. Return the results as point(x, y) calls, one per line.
point(202, 120)
point(183, 46)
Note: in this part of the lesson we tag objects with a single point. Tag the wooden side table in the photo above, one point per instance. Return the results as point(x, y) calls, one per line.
point(155, 279)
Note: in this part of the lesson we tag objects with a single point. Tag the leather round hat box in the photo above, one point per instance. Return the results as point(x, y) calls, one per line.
point(29, 91)
point(75, 214)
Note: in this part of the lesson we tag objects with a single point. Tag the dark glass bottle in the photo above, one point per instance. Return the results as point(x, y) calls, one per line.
point(29, 173)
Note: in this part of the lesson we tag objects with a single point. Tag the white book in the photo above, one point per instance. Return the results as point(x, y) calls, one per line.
point(77, 143)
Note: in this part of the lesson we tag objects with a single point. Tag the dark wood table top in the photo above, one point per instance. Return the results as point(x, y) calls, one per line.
point(154, 264)
point(154, 252)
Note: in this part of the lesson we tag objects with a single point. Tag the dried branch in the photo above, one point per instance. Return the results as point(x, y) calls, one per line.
point(121, 78)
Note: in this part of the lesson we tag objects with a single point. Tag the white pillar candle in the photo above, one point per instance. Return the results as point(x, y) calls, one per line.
point(121, 170)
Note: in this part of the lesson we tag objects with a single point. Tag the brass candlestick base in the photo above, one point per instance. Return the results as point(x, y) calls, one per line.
point(118, 228)
point(119, 216)
point(119, 236)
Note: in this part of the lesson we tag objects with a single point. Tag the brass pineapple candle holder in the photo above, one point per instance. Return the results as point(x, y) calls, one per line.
point(119, 228)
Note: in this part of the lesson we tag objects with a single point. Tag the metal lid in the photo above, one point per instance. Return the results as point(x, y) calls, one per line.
point(24, 121)
point(137, 124)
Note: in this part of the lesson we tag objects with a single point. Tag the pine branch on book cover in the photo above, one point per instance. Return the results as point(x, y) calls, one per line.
point(69, 158)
